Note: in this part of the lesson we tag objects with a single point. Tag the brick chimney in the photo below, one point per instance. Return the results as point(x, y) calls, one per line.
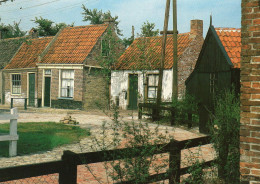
point(196, 28)
point(33, 33)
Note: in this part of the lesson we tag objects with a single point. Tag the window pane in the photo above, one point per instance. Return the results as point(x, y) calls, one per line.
point(16, 84)
point(67, 83)
point(152, 92)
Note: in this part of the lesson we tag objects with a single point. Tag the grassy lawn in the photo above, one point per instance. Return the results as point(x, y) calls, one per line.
point(44, 136)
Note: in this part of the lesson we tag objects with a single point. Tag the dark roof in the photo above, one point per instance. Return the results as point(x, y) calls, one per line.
point(27, 56)
point(145, 53)
point(74, 44)
point(8, 47)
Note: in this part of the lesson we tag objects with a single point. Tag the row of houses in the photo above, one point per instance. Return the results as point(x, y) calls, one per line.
point(61, 71)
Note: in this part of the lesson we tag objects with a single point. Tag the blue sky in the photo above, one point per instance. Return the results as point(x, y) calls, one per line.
point(226, 13)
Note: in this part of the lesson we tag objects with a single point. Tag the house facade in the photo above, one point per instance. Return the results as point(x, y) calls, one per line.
point(135, 78)
point(217, 68)
point(67, 69)
point(8, 47)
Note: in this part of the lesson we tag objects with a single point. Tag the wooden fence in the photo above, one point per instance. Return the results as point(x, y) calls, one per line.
point(152, 107)
point(12, 137)
point(67, 167)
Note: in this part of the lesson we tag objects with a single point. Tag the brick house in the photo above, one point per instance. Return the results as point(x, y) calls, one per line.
point(20, 74)
point(8, 47)
point(66, 69)
point(217, 68)
point(250, 93)
point(135, 78)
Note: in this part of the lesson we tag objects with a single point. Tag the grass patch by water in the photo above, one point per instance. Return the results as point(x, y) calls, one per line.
point(43, 136)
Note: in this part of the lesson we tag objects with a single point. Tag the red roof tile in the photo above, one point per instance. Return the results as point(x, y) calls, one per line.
point(74, 44)
point(145, 53)
point(28, 54)
point(231, 40)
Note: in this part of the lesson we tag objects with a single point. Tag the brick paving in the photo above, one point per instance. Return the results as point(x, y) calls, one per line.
point(92, 120)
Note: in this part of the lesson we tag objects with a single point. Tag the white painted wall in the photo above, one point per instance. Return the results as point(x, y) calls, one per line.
point(119, 85)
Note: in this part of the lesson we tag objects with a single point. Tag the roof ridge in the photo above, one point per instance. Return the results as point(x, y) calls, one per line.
point(159, 36)
point(91, 25)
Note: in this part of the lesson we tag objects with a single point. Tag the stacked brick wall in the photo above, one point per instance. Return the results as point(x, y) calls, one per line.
point(96, 91)
point(250, 93)
point(187, 62)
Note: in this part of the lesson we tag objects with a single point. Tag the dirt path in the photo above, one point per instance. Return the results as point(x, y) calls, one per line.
point(92, 120)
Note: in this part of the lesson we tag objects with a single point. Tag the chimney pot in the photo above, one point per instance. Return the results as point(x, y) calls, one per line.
point(33, 33)
point(196, 28)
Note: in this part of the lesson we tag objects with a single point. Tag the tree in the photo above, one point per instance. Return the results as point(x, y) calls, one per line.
point(11, 31)
point(46, 27)
point(147, 29)
point(98, 17)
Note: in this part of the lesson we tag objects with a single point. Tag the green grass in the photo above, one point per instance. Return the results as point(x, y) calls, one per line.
point(44, 136)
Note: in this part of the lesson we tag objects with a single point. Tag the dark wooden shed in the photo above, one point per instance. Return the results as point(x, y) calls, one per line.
point(217, 68)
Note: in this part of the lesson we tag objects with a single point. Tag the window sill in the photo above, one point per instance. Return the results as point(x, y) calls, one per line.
point(65, 98)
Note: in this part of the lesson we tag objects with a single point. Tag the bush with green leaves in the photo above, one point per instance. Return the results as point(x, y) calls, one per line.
point(225, 135)
point(130, 134)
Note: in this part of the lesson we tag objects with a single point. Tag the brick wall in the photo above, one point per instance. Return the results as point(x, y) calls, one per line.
point(7, 86)
point(250, 93)
point(187, 62)
point(78, 88)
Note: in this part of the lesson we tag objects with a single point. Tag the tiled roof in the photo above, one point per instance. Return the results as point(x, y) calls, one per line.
point(74, 44)
point(27, 56)
point(8, 48)
point(145, 53)
point(231, 40)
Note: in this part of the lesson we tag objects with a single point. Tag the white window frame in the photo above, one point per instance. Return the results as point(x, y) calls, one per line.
point(155, 86)
point(11, 83)
point(60, 84)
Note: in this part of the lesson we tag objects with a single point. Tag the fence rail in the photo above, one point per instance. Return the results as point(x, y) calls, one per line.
point(166, 106)
point(67, 167)
point(12, 137)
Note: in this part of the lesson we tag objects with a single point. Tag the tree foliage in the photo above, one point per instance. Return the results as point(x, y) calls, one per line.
point(147, 30)
point(11, 31)
point(47, 27)
point(98, 17)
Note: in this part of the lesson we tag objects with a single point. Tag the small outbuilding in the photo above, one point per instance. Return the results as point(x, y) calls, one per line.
point(217, 68)
point(135, 77)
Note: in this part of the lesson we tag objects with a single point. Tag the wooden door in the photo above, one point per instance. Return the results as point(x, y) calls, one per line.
point(47, 92)
point(133, 91)
point(31, 89)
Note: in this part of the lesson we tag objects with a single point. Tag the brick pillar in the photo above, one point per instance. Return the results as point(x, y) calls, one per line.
point(250, 93)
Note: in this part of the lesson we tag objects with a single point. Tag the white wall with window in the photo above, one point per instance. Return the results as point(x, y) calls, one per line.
point(119, 85)
point(66, 83)
point(16, 84)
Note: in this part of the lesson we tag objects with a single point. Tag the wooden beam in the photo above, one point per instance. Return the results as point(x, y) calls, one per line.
point(175, 54)
point(165, 29)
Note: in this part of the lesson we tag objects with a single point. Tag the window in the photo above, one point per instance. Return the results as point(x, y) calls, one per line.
point(105, 47)
point(16, 83)
point(47, 72)
point(212, 82)
point(67, 83)
point(152, 85)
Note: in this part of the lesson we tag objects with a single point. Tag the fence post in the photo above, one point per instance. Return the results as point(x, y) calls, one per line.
point(189, 119)
point(13, 132)
point(25, 104)
point(172, 116)
point(68, 175)
point(174, 162)
point(140, 109)
point(12, 103)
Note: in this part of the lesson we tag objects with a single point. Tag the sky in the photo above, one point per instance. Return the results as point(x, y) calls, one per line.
point(225, 13)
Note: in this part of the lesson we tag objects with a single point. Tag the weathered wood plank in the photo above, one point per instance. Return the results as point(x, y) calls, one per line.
point(9, 137)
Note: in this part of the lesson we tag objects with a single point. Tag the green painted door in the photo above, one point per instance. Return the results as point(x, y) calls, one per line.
point(47, 92)
point(133, 91)
point(31, 89)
